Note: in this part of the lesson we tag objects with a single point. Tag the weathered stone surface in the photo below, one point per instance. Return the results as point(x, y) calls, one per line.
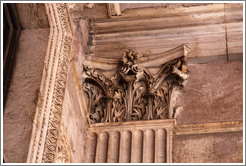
point(125, 6)
point(213, 93)
point(137, 142)
point(74, 123)
point(32, 15)
point(208, 148)
point(96, 11)
point(23, 92)
point(204, 29)
point(80, 44)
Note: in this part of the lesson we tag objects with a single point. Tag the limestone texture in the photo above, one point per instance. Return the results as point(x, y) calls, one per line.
point(23, 94)
point(213, 93)
point(208, 148)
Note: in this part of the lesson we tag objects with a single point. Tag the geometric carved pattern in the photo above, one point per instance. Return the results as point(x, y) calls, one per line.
point(133, 93)
point(46, 126)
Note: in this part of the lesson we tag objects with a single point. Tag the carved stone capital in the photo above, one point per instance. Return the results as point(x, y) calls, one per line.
point(133, 93)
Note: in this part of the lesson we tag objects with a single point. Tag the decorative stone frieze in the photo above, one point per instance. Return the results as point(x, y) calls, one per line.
point(46, 126)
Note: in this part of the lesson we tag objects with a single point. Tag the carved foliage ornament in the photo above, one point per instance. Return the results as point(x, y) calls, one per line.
point(133, 93)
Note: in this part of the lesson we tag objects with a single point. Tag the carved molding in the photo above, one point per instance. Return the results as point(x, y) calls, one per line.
point(46, 126)
point(133, 93)
point(206, 128)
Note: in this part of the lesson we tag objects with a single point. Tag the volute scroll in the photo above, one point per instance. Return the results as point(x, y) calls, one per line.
point(133, 93)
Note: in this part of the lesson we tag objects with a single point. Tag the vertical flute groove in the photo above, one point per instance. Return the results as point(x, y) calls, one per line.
point(92, 143)
point(102, 148)
point(149, 146)
point(161, 149)
point(125, 147)
point(137, 147)
point(114, 147)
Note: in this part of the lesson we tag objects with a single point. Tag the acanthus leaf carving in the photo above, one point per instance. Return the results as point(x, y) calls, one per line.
point(133, 93)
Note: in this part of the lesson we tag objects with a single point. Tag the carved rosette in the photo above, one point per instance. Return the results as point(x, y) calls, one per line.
point(133, 93)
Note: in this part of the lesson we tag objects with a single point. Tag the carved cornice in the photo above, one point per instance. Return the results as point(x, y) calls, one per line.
point(47, 120)
point(133, 93)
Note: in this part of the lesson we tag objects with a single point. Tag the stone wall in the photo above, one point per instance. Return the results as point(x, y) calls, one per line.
point(213, 93)
point(23, 94)
point(74, 123)
point(208, 148)
point(32, 15)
